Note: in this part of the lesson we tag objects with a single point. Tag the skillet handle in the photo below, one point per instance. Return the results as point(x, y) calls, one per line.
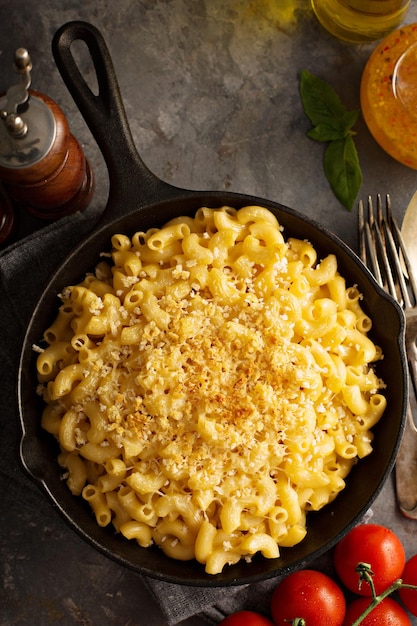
point(104, 113)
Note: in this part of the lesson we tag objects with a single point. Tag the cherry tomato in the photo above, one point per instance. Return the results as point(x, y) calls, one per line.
point(409, 576)
point(373, 544)
point(310, 595)
point(245, 618)
point(386, 613)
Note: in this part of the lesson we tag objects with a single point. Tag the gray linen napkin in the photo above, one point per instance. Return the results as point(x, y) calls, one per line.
point(211, 604)
point(24, 269)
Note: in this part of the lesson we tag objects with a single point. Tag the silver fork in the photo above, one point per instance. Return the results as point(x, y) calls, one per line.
point(382, 249)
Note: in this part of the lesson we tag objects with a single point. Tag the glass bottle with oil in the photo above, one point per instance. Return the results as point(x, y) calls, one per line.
point(360, 21)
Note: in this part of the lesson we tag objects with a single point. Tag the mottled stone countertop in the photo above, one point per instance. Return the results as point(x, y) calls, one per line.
point(211, 91)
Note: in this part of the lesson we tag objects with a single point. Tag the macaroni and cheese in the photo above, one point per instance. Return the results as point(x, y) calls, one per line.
point(209, 384)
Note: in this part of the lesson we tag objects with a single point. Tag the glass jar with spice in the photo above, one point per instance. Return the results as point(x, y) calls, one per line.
point(389, 95)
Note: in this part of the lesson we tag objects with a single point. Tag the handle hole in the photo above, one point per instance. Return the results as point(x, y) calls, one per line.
point(82, 58)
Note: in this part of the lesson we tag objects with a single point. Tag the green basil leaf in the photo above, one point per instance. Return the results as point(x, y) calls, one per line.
point(334, 129)
point(322, 105)
point(328, 131)
point(350, 118)
point(333, 124)
point(342, 169)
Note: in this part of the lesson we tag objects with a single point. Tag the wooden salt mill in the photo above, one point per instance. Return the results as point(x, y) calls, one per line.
point(42, 166)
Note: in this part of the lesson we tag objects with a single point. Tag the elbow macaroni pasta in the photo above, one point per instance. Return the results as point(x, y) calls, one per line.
point(210, 386)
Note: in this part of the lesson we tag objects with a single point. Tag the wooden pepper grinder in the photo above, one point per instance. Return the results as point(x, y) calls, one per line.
point(42, 165)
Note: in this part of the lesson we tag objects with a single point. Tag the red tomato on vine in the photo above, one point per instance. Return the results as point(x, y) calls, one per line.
point(409, 576)
point(373, 544)
point(386, 613)
point(310, 595)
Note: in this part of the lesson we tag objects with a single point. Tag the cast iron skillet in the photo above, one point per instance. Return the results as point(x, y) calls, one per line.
point(138, 200)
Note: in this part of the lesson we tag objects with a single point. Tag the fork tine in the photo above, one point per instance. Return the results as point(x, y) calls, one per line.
point(372, 245)
point(382, 247)
point(396, 261)
point(361, 232)
point(380, 213)
point(367, 243)
point(377, 231)
point(404, 254)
